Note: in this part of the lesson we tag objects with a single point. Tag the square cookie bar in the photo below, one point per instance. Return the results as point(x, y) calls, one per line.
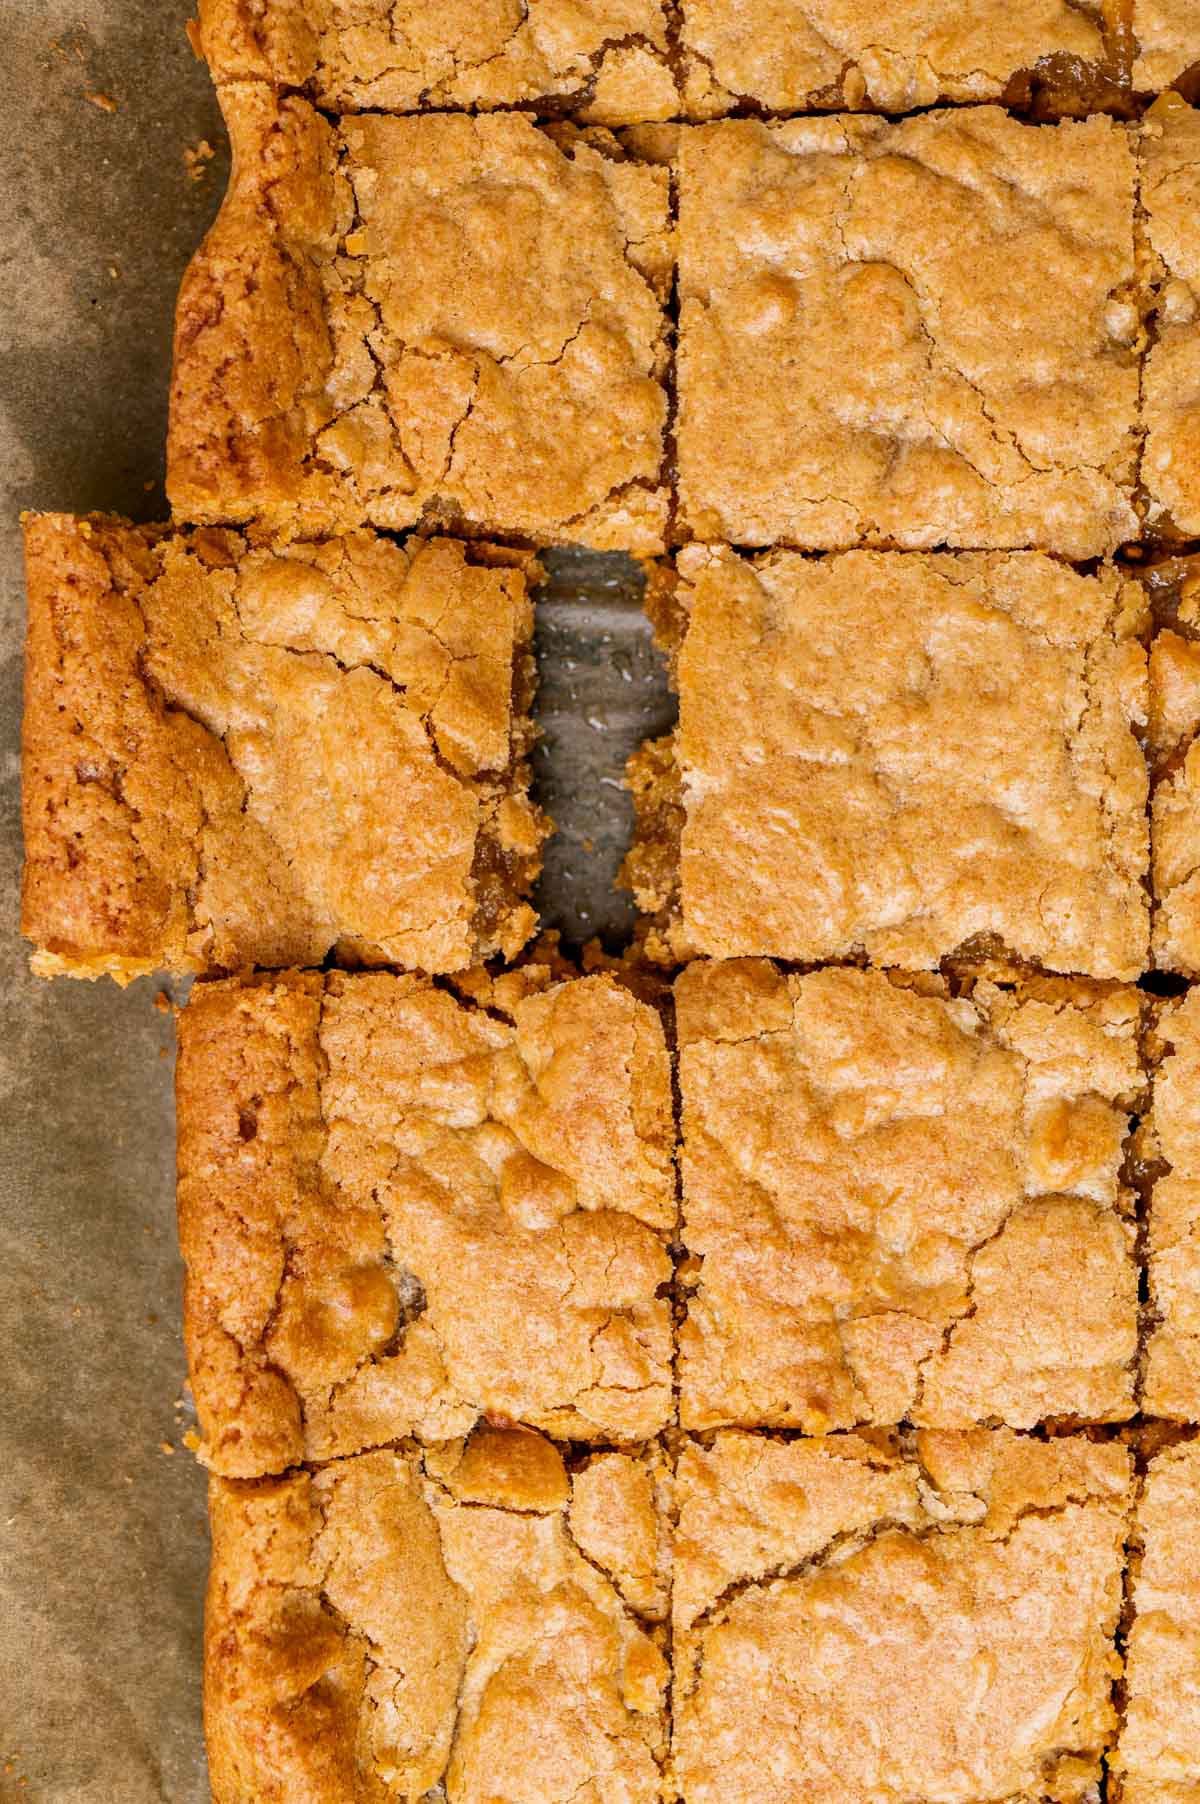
point(900, 755)
point(473, 1616)
point(448, 319)
point(857, 1620)
point(403, 1207)
point(1158, 1757)
point(796, 56)
point(1168, 1153)
point(237, 754)
point(606, 62)
point(1169, 155)
point(902, 1202)
point(1166, 34)
point(918, 332)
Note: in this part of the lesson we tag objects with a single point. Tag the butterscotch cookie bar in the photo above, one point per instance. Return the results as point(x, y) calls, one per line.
point(902, 1203)
point(446, 320)
point(859, 360)
point(1169, 154)
point(607, 63)
point(1158, 1757)
point(1169, 1155)
point(1167, 36)
point(240, 754)
point(1173, 587)
point(900, 755)
point(474, 1616)
point(788, 56)
point(857, 1620)
point(402, 1208)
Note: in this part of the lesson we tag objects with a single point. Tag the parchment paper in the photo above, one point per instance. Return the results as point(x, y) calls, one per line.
point(106, 186)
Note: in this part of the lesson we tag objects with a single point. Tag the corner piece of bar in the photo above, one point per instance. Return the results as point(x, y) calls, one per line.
point(448, 320)
point(464, 1616)
point(404, 1206)
point(242, 754)
point(872, 1618)
point(605, 63)
point(901, 755)
point(904, 1200)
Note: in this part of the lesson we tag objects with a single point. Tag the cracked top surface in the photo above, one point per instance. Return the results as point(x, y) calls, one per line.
point(606, 60)
point(904, 1205)
point(1169, 153)
point(235, 755)
point(406, 1619)
point(902, 753)
point(792, 55)
point(1167, 34)
point(1173, 745)
point(446, 318)
point(1158, 1758)
point(1170, 1151)
point(854, 1621)
point(401, 1210)
point(859, 359)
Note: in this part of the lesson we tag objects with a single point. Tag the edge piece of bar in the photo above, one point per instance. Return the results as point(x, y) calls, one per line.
point(403, 1206)
point(242, 754)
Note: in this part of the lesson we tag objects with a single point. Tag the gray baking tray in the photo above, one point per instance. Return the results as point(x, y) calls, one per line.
point(106, 186)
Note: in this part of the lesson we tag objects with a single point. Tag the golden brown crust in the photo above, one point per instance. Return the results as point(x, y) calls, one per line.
point(370, 1635)
point(928, 400)
point(854, 1621)
point(1167, 36)
point(1169, 158)
point(790, 56)
point(1158, 1759)
point(449, 318)
point(400, 1212)
point(1170, 1150)
point(902, 754)
point(245, 755)
point(606, 63)
point(904, 1206)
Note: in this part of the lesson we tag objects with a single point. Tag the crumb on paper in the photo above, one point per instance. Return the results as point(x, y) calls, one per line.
point(163, 1003)
point(166, 1447)
point(191, 1441)
point(192, 28)
point(196, 159)
point(105, 102)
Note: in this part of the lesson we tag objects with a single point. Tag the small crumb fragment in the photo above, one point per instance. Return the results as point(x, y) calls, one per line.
point(163, 1003)
point(191, 1441)
point(196, 159)
point(105, 102)
point(166, 1447)
point(192, 28)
